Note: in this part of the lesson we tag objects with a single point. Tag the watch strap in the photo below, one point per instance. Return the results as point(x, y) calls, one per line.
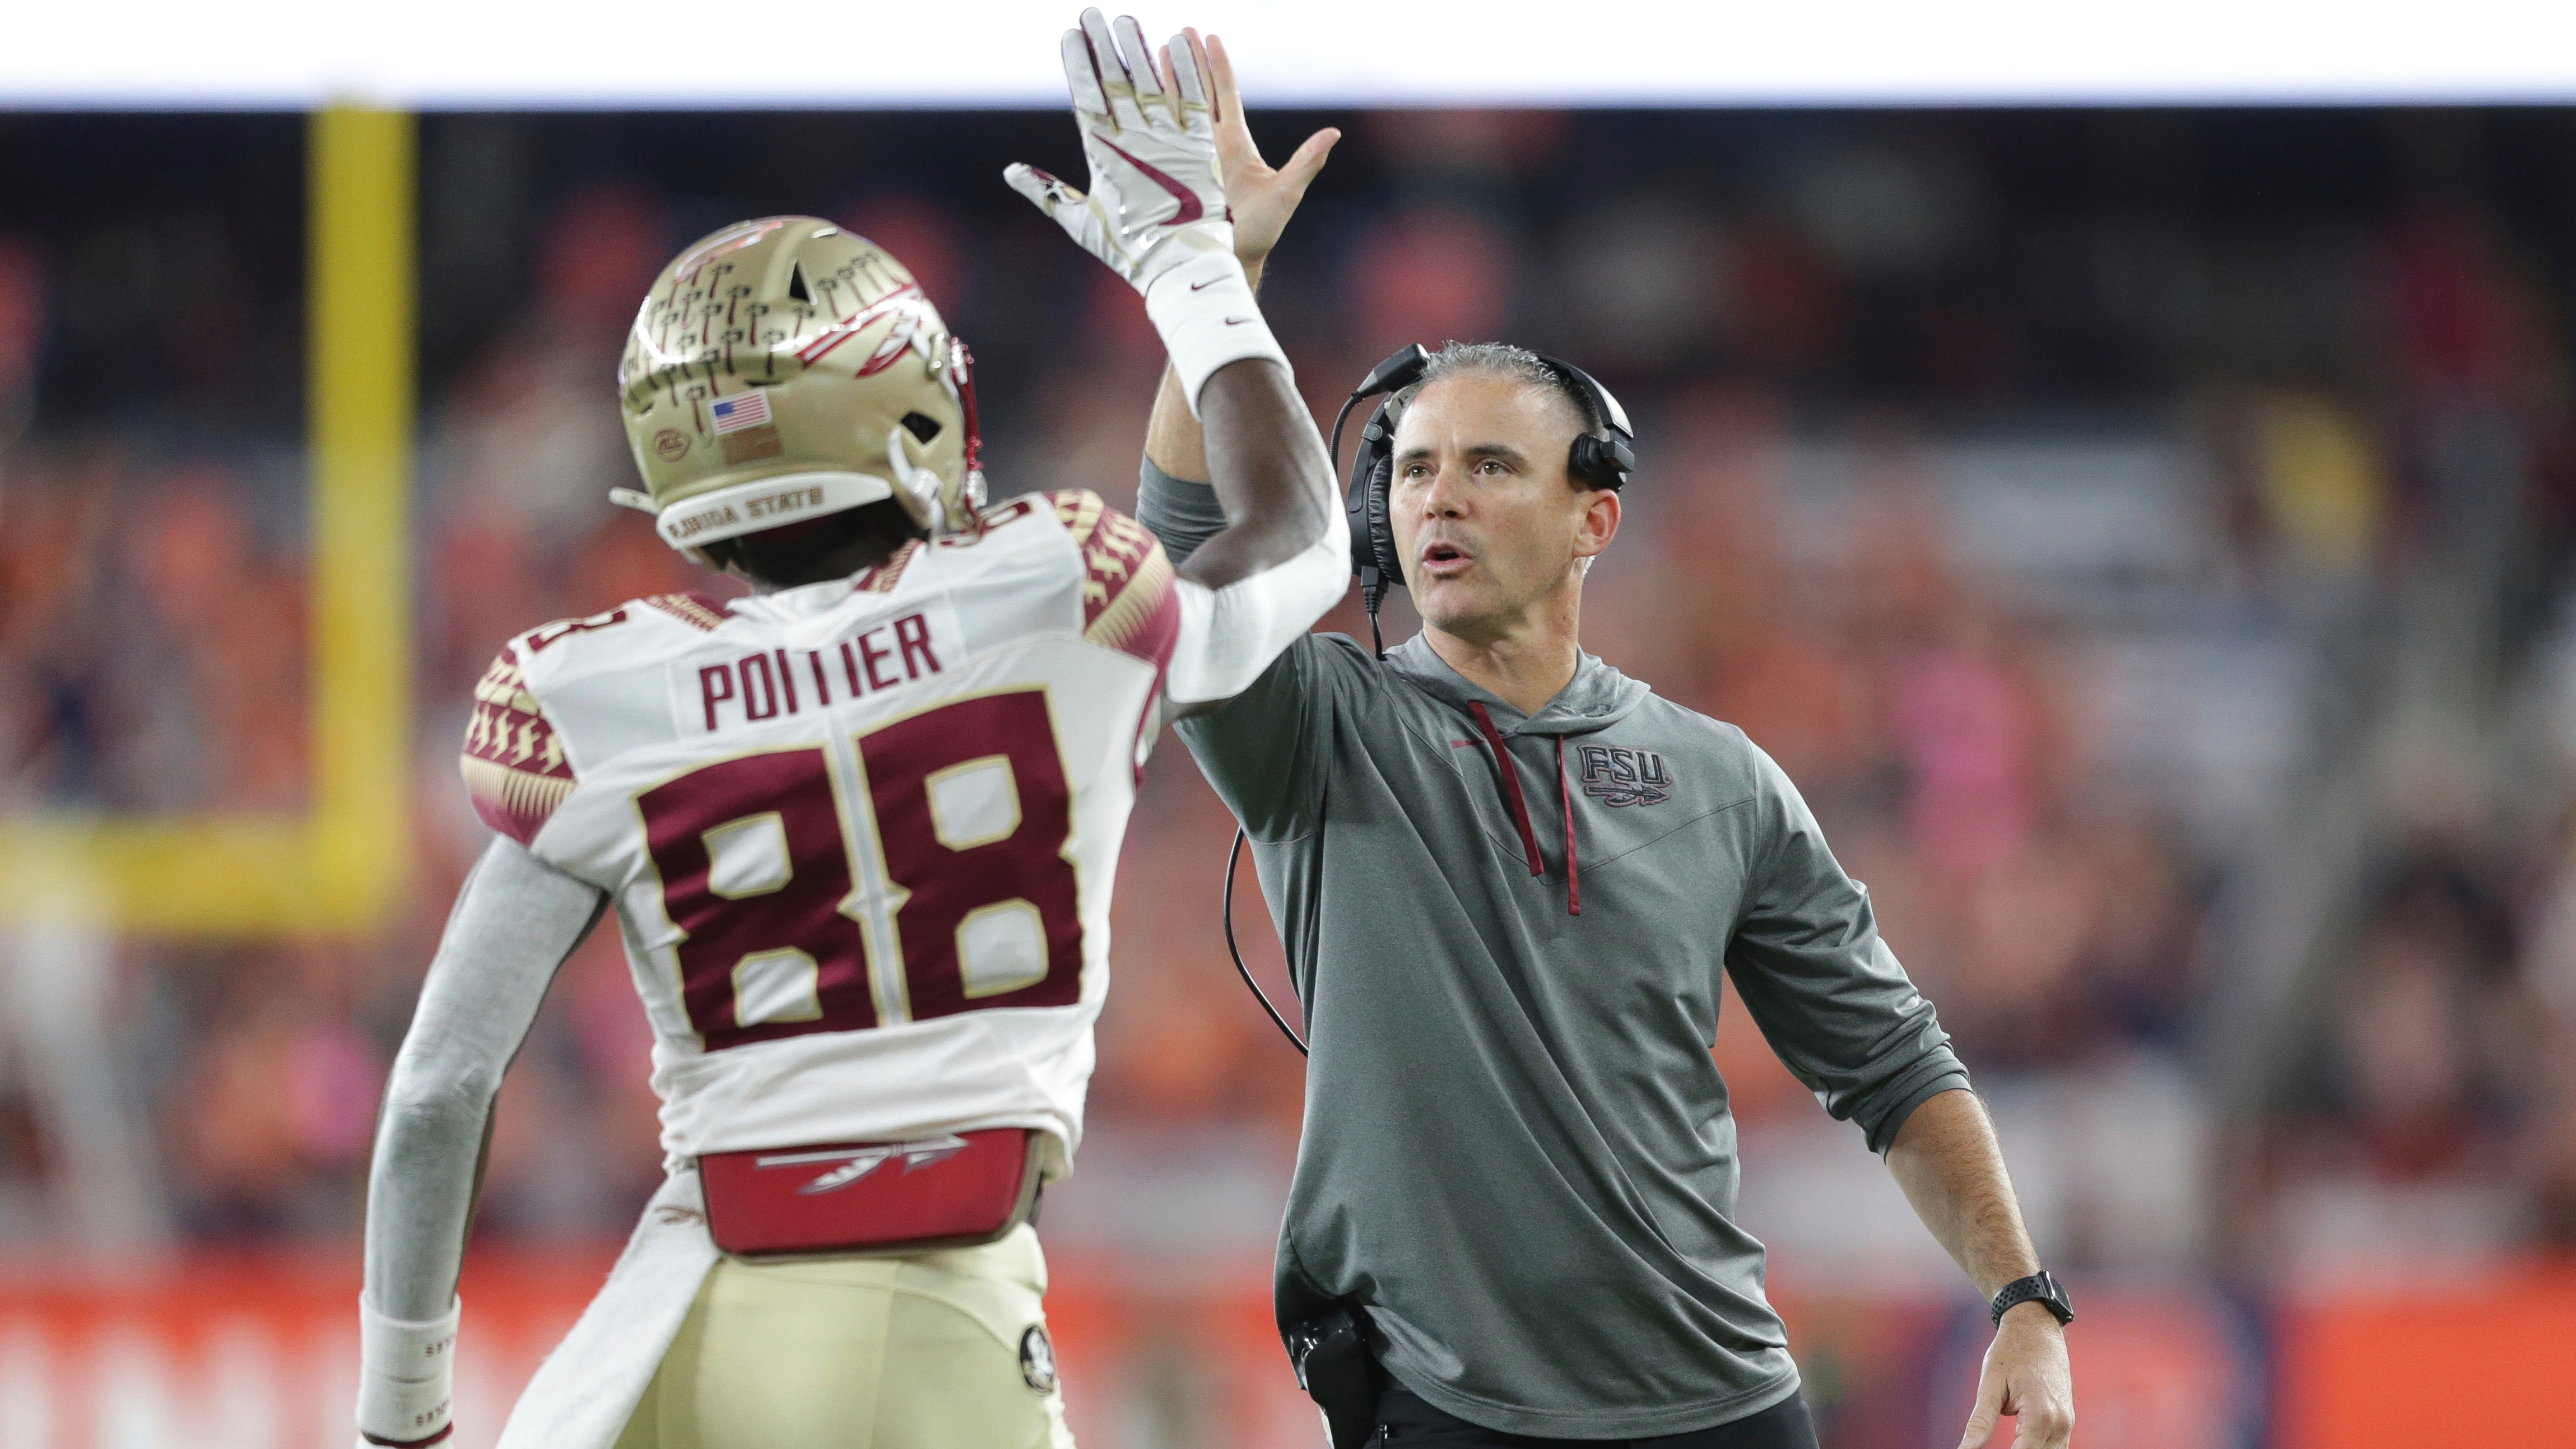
point(2042, 1288)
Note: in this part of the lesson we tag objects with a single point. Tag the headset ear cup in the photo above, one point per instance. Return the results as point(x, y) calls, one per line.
point(1381, 527)
point(1358, 509)
point(1583, 460)
point(1372, 468)
point(1600, 462)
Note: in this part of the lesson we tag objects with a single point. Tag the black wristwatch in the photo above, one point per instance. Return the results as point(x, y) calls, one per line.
point(2041, 1288)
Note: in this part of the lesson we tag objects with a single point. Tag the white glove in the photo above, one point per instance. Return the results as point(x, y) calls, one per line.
point(1155, 199)
point(1156, 211)
point(404, 1373)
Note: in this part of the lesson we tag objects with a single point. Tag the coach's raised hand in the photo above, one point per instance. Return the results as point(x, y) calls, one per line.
point(1262, 197)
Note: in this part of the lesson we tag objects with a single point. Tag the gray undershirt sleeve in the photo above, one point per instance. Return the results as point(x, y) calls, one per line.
point(515, 921)
point(1181, 513)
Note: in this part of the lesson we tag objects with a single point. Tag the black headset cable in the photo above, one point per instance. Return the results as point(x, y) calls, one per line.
point(1232, 857)
point(1371, 587)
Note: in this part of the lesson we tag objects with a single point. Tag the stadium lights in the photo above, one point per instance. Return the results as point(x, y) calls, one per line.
point(584, 54)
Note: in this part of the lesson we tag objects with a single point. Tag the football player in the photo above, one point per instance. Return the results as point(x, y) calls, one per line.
point(857, 829)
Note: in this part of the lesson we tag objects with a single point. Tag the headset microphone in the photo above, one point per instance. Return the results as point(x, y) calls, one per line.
point(1375, 562)
point(1396, 373)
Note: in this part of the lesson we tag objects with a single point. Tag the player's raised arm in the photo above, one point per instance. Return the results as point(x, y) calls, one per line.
point(1156, 214)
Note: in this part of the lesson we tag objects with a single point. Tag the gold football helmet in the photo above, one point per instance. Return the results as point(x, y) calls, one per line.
point(782, 369)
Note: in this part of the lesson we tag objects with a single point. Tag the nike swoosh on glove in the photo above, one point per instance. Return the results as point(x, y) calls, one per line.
point(1155, 200)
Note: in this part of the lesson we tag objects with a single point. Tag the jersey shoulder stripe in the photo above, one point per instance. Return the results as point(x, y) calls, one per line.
point(514, 764)
point(883, 578)
point(1129, 599)
point(696, 610)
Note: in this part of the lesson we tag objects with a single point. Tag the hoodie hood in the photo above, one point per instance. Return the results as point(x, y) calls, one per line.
point(1596, 698)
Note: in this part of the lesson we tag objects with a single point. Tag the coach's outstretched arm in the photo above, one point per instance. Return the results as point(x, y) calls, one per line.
point(1156, 214)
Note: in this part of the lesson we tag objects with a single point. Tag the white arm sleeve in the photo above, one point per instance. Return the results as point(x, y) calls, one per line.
point(515, 921)
point(1229, 635)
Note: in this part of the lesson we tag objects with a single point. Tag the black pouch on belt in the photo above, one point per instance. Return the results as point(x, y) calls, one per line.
point(1336, 1371)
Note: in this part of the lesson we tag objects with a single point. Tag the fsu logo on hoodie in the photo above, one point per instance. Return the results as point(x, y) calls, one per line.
point(1615, 775)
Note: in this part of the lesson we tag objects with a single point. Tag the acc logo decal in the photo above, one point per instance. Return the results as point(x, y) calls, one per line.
point(1617, 776)
point(1037, 1359)
point(671, 444)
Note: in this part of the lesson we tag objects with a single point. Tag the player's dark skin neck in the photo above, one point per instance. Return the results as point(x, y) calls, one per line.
point(867, 547)
point(867, 552)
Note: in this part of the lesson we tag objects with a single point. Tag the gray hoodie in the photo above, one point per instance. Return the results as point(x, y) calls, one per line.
point(1517, 1152)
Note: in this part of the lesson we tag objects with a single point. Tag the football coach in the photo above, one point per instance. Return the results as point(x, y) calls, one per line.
point(1508, 878)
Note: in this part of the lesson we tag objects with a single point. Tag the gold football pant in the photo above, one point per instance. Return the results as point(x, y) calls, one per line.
point(938, 1350)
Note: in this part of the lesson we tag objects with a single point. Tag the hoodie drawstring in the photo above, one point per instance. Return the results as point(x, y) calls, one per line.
point(1573, 862)
point(1511, 785)
point(1520, 807)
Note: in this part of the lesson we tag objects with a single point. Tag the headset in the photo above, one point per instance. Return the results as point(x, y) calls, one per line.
point(1601, 462)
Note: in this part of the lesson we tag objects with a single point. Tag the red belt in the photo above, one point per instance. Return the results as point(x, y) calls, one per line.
point(950, 1191)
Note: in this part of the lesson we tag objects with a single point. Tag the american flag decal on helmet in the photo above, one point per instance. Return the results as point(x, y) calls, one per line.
point(743, 410)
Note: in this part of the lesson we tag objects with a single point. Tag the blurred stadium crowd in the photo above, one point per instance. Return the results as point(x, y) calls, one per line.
point(2144, 537)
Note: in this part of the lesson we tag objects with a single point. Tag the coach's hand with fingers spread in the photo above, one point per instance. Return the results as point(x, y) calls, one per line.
point(2026, 1375)
point(1263, 198)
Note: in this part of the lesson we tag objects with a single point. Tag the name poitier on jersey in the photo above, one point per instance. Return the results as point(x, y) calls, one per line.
point(713, 692)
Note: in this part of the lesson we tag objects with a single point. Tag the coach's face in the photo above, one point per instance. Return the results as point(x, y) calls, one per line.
point(1488, 523)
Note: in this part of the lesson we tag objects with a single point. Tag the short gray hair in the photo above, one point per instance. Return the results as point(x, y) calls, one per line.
point(1502, 359)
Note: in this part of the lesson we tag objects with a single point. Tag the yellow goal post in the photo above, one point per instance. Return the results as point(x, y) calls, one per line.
point(338, 868)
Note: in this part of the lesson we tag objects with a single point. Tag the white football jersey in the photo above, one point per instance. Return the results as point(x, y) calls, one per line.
point(860, 835)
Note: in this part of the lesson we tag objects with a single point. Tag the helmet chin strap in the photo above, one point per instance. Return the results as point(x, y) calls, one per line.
point(920, 482)
point(636, 499)
point(957, 374)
